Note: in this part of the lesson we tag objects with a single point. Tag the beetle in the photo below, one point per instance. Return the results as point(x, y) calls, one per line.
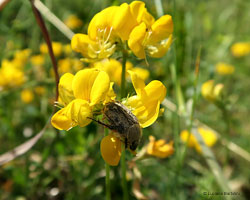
point(124, 122)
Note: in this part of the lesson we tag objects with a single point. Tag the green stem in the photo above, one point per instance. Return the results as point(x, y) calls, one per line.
point(191, 117)
point(107, 182)
point(123, 75)
point(123, 94)
point(124, 180)
point(107, 178)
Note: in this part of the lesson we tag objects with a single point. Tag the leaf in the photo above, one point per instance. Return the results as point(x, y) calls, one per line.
point(212, 163)
point(23, 148)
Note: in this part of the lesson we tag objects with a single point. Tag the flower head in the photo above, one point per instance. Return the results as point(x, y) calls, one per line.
point(209, 137)
point(27, 96)
point(240, 49)
point(111, 27)
point(11, 75)
point(56, 46)
point(73, 22)
point(210, 91)
point(146, 104)
point(37, 60)
point(224, 69)
point(105, 30)
point(159, 148)
point(78, 95)
point(152, 39)
point(111, 149)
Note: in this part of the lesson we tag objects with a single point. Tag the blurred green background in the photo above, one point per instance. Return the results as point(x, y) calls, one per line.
point(68, 165)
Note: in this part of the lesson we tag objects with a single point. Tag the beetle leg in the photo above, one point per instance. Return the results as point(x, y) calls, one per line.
point(126, 143)
point(106, 125)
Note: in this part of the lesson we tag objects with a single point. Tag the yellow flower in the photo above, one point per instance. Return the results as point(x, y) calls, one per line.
point(105, 30)
point(210, 91)
point(73, 22)
point(153, 39)
point(146, 104)
point(110, 27)
point(224, 69)
point(56, 46)
point(159, 148)
point(79, 94)
point(67, 49)
point(37, 60)
point(21, 58)
point(68, 65)
point(111, 149)
point(240, 49)
point(27, 96)
point(40, 90)
point(11, 76)
point(209, 137)
point(146, 107)
point(114, 69)
point(142, 73)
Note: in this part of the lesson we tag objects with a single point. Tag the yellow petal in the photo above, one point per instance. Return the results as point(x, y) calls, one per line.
point(102, 21)
point(83, 82)
point(142, 73)
point(161, 29)
point(100, 88)
point(140, 13)
point(122, 26)
point(224, 69)
point(137, 9)
point(65, 88)
point(80, 43)
point(80, 112)
point(111, 94)
point(147, 113)
point(27, 96)
point(61, 121)
point(136, 40)
point(208, 136)
point(111, 149)
point(184, 137)
point(158, 50)
point(218, 89)
point(240, 49)
point(56, 46)
point(138, 83)
point(112, 67)
point(148, 19)
point(207, 90)
point(37, 60)
point(159, 148)
point(73, 22)
point(155, 90)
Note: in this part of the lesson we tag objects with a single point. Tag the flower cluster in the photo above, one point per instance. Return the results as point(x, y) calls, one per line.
point(11, 71)
point(132, 23)
point(81, 95)
point(159, 148)
point(85, 96)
